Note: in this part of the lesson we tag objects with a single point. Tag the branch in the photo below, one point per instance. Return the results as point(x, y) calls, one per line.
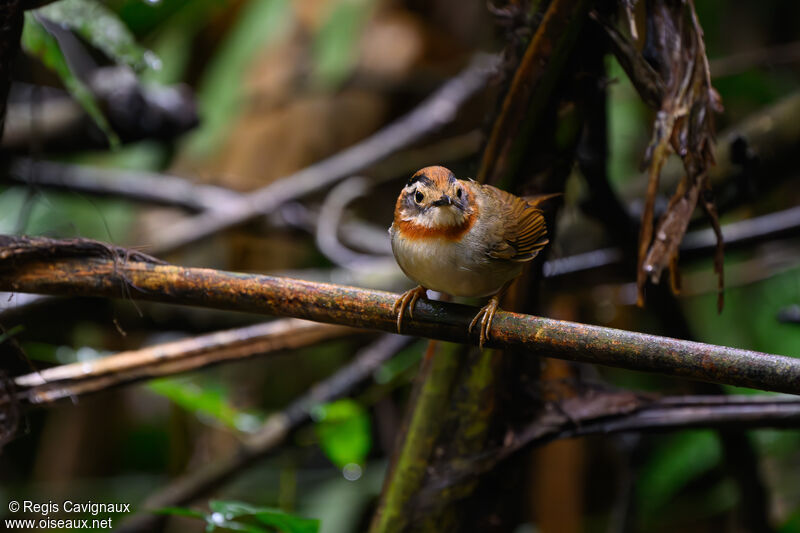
point(274, 430)
point(769, 56)
point(78, 379)
point(49, 122)
point(756, 230)
point(32, 269)
point(152, 187)
point(757, 151)
point(602, 413)
point(434, 112)
point(533, 82)
point(174, 191)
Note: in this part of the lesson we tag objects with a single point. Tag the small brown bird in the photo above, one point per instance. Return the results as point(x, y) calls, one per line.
point(462, 238)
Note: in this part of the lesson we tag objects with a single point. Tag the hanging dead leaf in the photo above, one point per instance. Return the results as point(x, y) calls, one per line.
point(671, 75)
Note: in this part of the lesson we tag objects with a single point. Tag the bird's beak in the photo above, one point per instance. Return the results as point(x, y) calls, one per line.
point(444, 200)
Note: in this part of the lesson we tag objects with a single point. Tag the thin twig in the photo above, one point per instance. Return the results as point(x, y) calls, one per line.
point(200, 481)
point(434, 112)
point(337, 304)
point(330, 220)
point(740, 234)
point(770, 56)
point(174, 191)
point(77, 379)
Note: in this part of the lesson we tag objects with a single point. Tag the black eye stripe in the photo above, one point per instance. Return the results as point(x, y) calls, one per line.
point(421, 178)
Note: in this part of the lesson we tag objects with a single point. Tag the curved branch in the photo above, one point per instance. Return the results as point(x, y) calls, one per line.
point(97, 274)
point(152, 187)
point(275, 429)
point(602, 413)
point(437, 110)
point(77, 379)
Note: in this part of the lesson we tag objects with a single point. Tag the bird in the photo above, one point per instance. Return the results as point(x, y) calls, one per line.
point(463, 238)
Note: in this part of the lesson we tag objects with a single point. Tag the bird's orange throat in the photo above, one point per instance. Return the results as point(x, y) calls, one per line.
point(408, 229)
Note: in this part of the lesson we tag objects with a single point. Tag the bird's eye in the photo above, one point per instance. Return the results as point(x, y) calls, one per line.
point(419, 197)
point(458, 193)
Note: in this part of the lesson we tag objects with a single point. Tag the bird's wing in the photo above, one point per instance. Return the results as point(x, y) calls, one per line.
point(521, 227)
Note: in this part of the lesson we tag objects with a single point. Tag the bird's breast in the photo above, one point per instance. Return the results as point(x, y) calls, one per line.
point(457, 267)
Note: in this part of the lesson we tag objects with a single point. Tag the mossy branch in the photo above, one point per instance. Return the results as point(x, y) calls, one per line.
point(47, 266)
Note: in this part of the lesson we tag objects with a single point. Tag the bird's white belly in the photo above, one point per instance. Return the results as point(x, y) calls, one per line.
point(451, 267)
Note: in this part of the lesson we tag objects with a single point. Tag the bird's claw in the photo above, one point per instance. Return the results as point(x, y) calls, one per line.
point(407, 300)
point(486, 315)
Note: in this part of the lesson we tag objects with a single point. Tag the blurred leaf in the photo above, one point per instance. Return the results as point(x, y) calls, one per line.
point(39, 43)
point(335, 44)
point(240, 516)
point(344, 431)
point(67, 215)
point(776, 442)
point(180, 511)
point(260, 23)
point(209, 401)
point(145, 16)
point(5, 335)
point(628, 134)
point(680, 459)
point(274, 518)
point(404, 361)
point(750, 319)
point(792, 525)
point(103, 29)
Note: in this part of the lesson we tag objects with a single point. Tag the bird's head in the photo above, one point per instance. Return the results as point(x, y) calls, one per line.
point(433, 198)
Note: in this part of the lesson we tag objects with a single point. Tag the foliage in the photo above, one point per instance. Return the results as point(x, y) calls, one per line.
point(239, 516)
point(221, 51)
point(101, 27)
point(334, 46)
point(259, 24)
point(208, 401)
point(344, 432)
point(39, 42)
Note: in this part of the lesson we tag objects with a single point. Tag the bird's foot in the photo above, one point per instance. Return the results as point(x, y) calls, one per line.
point(407, 300)
point(484, 318)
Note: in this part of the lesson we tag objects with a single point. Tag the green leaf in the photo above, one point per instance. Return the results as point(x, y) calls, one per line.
point(335, 44)
point(344, 431)
point(39, 43)
point(180, 511)
point(103, 29)
point(680, 459)
point(4, 336)
point(205, 400)
point(792, 524)
point(234, 511)
point(404, 361)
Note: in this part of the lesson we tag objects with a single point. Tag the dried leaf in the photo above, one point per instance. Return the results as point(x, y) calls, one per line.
point(671, 74)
